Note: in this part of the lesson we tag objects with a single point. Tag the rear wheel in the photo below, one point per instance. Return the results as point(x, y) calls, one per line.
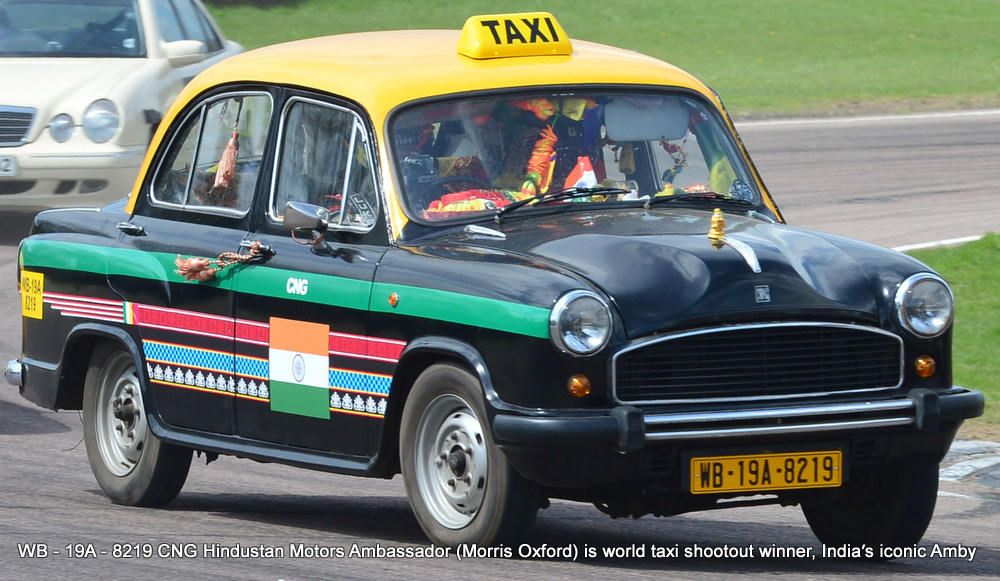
point(891, 507)
point(132, 466)
point(460, 485)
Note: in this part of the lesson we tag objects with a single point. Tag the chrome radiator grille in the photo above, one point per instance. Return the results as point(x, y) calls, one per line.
point(14, 125)
point(750, 362)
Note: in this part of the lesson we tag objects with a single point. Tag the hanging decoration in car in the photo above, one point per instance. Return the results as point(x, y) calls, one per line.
point(541, 164)
point(223, 193)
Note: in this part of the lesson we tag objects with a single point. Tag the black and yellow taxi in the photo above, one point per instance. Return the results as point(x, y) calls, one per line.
point(509, 265)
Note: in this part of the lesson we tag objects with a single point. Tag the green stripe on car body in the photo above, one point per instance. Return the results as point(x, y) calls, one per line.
point(259, 280)
point(463, 309)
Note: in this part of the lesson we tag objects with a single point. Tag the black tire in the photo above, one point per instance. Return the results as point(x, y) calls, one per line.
point(890, 506)
point(132, 466)
point(461, 487)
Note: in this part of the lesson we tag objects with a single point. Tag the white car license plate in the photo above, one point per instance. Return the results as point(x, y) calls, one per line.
point(8, 166)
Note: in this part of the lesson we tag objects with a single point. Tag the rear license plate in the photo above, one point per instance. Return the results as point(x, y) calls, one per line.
point(8, 166)
point(757, 472)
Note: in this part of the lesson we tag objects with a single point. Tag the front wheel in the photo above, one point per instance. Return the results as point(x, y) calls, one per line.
point(131, 465)
point(460, 485)
point(891, 506)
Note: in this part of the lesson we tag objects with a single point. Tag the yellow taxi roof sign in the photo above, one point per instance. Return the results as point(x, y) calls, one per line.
point(507, 35)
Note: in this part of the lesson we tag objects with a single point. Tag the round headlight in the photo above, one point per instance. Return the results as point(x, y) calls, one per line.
point(925, 305)
point(100, 122)
point(61, 127)
point(580, 323)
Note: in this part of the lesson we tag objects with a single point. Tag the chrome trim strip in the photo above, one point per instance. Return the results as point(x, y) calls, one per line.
point(642, 343)
point(477, 231)
point(746, 251)
point(789, 429)
point(795, 412)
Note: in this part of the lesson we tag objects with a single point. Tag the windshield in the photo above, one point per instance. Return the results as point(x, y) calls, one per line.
point(465, 158)
point(67, 28)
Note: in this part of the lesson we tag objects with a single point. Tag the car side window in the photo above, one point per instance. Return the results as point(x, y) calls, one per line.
point(213, 163)
point(195, 26)
point(324, 159)
point(166, 20)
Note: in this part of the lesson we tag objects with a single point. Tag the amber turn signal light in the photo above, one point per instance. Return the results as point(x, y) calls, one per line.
point(925, 366)
point(578, 386)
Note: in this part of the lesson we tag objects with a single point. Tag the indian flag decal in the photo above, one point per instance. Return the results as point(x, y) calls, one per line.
point(299, 368)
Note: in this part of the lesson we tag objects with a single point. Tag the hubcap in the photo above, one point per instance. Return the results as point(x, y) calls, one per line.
point(451, 462)
point(121, 418)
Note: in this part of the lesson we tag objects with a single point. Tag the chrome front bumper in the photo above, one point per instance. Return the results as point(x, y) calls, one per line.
point(629, 428)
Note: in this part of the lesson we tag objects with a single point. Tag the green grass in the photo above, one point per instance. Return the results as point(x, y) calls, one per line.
point(764, 57)
point(973, 271)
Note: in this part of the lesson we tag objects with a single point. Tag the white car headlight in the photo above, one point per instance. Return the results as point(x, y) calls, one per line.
point(580, 323)
point(925, 305)
point(100, 122)
point(61, 127)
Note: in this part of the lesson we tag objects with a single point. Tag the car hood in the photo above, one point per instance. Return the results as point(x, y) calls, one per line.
point(660, 269)
point(66, 84)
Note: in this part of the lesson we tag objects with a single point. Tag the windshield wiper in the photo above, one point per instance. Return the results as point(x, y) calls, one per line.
point(706, 196)
point(555, 197)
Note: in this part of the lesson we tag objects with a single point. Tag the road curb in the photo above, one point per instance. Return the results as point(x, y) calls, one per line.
point(975, 461)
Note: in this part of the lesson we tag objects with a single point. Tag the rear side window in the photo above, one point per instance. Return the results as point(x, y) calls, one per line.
point(213, 162)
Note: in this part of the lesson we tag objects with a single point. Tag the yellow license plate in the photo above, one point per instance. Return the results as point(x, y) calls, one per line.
point(32, 285)
point(756, 472)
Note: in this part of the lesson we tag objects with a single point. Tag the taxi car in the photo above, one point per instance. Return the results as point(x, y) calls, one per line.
point(509, 265)
point(85, 84)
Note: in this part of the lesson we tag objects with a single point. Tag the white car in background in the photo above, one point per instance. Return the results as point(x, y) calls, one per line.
point(84, 84)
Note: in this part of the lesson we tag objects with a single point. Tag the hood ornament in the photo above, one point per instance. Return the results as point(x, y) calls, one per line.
point(717, 231)
point(717, 236)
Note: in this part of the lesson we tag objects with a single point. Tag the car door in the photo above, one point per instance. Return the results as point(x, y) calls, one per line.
point(313, 378)
point(194, 208)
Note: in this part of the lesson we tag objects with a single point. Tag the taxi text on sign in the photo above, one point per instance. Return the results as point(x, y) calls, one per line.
point(512, 35)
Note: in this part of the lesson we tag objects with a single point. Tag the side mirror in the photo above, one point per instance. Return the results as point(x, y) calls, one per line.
point(303, 216)
point(181, 53)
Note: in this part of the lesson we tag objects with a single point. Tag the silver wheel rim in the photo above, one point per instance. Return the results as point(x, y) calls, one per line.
point(120, 417)
point(451, 461)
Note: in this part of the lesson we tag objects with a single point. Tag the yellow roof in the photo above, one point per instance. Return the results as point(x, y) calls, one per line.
point(380, 70)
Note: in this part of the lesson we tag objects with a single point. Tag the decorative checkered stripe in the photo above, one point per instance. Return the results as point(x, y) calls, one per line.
point(360, 382)
point(254, 367)
point(85, 307)
point(202, 359)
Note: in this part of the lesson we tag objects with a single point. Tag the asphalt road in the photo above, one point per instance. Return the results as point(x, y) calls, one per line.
point(891, 182)
point(888, 180)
